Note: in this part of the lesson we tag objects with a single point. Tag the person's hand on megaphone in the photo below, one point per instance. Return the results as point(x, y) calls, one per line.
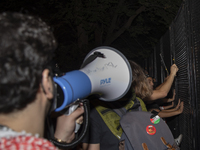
point(65, 128)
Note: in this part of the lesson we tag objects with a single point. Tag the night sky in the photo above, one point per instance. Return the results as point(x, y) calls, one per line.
point(80, 26)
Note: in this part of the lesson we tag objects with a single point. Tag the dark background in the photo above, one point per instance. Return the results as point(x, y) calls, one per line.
point(141, 30)
point(131, 26)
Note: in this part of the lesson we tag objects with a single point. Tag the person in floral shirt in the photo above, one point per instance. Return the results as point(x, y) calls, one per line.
point(26, 86)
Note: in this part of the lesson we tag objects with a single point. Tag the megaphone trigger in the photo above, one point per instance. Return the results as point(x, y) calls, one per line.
point(72, 109)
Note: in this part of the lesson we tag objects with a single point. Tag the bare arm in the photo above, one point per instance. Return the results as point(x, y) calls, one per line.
point(164, 114)
point(173, 109)
point(93, 147)
point(158, 87)
point(170, 99)
point(85, 146)
point(167, 107)
point(170, 112)
point(164, 89)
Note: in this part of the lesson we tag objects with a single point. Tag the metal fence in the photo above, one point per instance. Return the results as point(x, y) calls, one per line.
point(181, 45)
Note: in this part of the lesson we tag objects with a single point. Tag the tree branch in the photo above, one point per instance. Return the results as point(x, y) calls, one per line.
point(111, 38)
point(114, 20)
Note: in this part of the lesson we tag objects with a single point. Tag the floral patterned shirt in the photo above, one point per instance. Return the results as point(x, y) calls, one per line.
point(11, 140)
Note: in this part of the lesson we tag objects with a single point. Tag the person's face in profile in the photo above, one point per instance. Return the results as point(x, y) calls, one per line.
point(150, 80)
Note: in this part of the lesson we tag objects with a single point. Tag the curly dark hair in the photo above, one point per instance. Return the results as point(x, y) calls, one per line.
point(140, 83)
point(26, 47)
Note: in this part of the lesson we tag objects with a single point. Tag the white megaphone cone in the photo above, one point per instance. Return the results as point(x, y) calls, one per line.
point(105, 71)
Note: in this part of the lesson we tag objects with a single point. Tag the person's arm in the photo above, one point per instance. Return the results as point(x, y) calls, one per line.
point(165, 114)
point(93, 138)
point(66, 125)
point(158, 87)
point(93, 147)
point(164, 89)
point(85, 146)
point(173, 97)
point(167, 100)
point(173, 109)
point(167, 107)
point(169, 113)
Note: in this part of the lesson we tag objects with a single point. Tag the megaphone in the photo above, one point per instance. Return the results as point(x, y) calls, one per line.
point(105, 71)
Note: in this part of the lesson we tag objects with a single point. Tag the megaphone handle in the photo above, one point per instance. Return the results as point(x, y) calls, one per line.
point(78, 139)
point(72, 109)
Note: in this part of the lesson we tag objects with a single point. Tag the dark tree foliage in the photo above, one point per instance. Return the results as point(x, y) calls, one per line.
point(131, 26)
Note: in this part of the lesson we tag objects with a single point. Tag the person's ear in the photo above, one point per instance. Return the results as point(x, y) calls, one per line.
point(47, 84)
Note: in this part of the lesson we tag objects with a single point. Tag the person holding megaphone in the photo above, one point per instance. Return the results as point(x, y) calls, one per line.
point(26, 86)
point(30, 94)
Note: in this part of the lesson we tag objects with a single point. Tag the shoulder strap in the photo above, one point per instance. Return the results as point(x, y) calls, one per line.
point(142, 104)
point(120, 111)
point(111, 114)
point(138, 105)
point(110, 118)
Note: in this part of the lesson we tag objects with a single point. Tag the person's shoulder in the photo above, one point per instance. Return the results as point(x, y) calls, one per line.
point(27, 142)
point(93, 112)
